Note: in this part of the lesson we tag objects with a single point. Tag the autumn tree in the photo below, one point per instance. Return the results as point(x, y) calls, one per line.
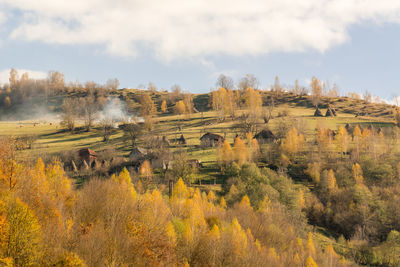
point(253, 102)
point(180, 107)
point(146, 172)
point(22, 238)
point(7, 102)
point(328, 181)
point(314, 170)
point(13, 78)
point(358, 173)
point(397, 116)
point(147, 107)
point(9, 167)
point(316, 91)
point(224, 154)
point(277, 88)
point(188, 101)
point(163, 106)
point(342, 140)
point(241, 154)
point(223, 102)
point(293, 143)
point(56, 81)
point(357, 137)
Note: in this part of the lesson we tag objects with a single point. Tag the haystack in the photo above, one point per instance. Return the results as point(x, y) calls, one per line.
point(329, 113)
point(265, 135)
point(318, 113)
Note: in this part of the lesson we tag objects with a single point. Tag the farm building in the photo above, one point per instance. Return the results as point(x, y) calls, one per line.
point(265, 136)
point(87, 154)
point(211, 140)
point(138, 154)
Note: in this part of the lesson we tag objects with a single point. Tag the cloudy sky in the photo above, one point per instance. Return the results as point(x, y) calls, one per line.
point(354, 43)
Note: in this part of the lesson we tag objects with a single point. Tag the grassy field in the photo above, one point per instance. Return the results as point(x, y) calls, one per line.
point(52, 139)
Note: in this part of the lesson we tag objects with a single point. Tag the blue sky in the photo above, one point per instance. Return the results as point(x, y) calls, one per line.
point(354, 45)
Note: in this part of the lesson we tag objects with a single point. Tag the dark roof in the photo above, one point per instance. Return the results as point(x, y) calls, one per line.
point(212, 136)
point(139, 150)
point(265, 134)
point(87, 151)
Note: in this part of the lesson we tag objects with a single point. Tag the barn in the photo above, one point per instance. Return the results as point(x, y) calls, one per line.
point(211, 140)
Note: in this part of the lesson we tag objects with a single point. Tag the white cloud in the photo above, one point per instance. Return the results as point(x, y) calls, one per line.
point(196, 28)
point(5, 74)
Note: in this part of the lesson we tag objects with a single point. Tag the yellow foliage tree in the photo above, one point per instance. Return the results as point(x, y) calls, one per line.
point(253, 102)
point(397, 116)
point(245, 201)
point(357, 136)
point(145, 170)
point(293, 143)
point(224, 153)
point(147, 107)
point(314, 170)
point(23, 233)
point(358, 173)
point(254, 150)
point(180, 107)
point(310, 262)
point(342, 140)
point(240, 151)
point(328, 181)
point(180, 190)
point(310, 245)
point(222, 203)
point(239, 238)
point(164, 106)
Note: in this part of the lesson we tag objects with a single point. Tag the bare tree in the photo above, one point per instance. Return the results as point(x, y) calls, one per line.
point(224, 82)
point(70, 113)
point(152, 87)
point(90, 107)
point(107, 125)
point(56, 80)
point(132, 131)
point(112, 84)
point(248, 81)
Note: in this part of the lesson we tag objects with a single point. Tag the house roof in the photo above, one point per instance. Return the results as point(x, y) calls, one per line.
point(212, 136)
point(138, 150)
point(87, 151)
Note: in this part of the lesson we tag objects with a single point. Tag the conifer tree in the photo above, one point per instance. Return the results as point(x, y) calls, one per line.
point(314, 170)
point(328, 181)
point(358, 173)
point(310, 245)
point(310, 262)
point(343, 140)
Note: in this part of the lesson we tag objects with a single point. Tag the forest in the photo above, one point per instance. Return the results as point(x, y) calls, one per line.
point(240, 176)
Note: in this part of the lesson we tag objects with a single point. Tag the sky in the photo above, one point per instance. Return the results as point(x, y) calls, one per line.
point(353, 43)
